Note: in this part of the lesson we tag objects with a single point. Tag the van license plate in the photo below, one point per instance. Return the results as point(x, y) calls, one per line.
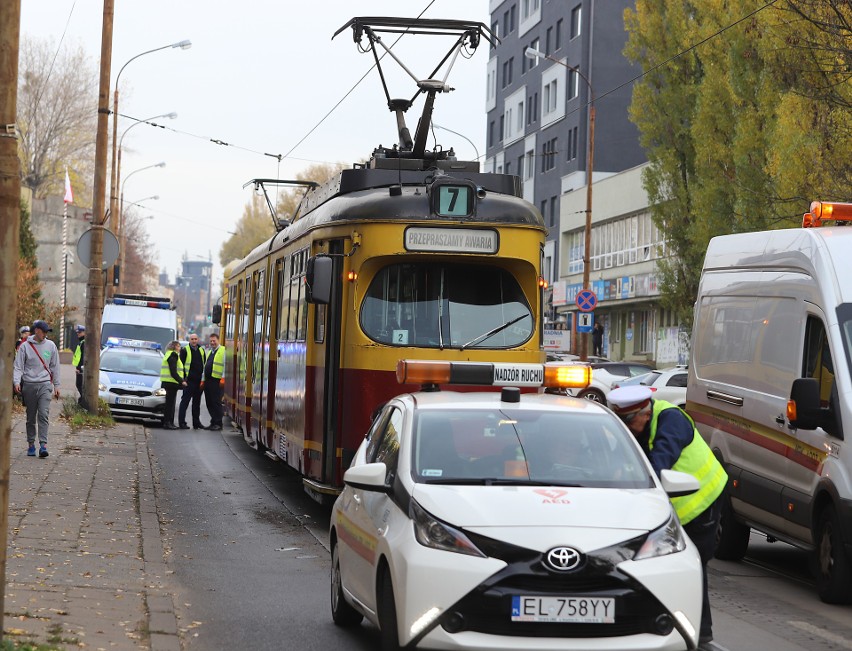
point(134, 402)
point(564, 610)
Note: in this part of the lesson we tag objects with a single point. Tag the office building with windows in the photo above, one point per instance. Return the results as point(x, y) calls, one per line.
point(538, 128)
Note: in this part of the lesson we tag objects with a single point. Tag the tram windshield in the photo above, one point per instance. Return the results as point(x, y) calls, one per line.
point(446, 306)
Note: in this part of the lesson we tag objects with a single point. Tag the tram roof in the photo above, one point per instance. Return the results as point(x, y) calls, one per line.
point(362, 194)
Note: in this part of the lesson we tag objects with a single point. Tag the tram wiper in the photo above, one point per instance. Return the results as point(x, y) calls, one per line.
point(493, 332)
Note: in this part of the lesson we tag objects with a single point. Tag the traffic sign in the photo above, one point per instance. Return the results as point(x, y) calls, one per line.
point(587, 300)
point(585, 321)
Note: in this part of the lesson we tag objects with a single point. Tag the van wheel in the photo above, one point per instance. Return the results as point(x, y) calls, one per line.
point(387, 614)
point(341, 612)
point(833, 570)
point(594, 395)
point(732, 535)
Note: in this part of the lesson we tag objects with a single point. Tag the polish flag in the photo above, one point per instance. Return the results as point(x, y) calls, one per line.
point(69, 196)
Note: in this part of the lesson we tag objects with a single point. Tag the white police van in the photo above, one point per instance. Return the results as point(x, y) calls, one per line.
point(770, 387)
point(139, 317)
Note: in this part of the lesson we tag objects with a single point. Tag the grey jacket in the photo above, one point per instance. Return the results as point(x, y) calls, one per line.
point(30, 369)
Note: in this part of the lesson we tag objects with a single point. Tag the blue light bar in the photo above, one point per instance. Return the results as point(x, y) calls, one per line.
point(120, 342)
point(132, 301)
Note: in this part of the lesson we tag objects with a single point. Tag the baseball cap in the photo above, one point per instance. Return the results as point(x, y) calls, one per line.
point(627, 401)
point(80, 328)
point(42, 325)
point(24, 329)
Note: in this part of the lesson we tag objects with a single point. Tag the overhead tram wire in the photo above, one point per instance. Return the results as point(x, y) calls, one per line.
point(280, 157)
point(223, 143)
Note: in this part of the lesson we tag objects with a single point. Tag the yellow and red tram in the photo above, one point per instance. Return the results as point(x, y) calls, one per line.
point(415, 255)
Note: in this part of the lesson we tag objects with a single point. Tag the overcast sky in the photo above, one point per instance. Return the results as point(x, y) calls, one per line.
point(260, 75)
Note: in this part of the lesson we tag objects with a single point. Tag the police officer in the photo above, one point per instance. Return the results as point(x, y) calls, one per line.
point(670, 440)
point(192, 357)
point(171, 379)
point(214, 371)
point(78, 360)
point(24, 335)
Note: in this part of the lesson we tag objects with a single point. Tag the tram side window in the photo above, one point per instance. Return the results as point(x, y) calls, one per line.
point(283, 302)
point(229, 315)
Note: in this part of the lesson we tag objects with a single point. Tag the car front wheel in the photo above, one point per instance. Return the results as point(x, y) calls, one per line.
point(594, 395)
point(833, 569)
point(341, 612)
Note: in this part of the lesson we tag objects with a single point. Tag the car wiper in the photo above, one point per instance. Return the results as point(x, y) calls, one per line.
point(493, 332)
point(496, 481)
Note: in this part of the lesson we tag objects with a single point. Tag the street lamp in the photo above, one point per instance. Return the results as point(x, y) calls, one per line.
point(114, 183)
point(121, 221)
point(461, 135)
point(532, 53)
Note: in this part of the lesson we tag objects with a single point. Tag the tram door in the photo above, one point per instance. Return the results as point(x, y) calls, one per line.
point(333, 332)
point(259, 357)
point(246, 350)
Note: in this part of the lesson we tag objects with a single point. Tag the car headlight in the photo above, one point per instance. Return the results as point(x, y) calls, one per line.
point(668, 539)
point(101, 387)
point(431, 532)
point(159, 392)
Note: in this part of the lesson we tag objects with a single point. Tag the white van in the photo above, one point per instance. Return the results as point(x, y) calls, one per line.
point(140, 317)
point(770, 389)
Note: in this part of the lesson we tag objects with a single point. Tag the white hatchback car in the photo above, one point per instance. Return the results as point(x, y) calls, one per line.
point(497, 520)
point(668, 384)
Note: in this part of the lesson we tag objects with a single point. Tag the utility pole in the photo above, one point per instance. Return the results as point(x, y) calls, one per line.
point(10, 226)
point(95, 300)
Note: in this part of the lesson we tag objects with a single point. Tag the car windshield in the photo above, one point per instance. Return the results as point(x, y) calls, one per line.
point(115, 360)
point(501, 446)
point(135, 331)
point(446, 306)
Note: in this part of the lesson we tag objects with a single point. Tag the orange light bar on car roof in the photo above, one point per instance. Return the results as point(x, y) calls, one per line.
point(571, 376)
point(410, 371)
point(826, 210)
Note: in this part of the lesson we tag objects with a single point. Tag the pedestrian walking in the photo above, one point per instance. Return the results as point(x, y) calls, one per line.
point(670, 440)
point(36, 379)
point(192, 357)
point(214, 371)
point(78, 360)
point(171, 379)
point(597, 339)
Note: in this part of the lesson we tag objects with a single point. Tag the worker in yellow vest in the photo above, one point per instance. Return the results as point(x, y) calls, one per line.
point(171, 379)
point(670, 440)
point(214, 371)
point(79, 360)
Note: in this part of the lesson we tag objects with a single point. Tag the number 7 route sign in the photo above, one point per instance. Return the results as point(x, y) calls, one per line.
point(587, 300)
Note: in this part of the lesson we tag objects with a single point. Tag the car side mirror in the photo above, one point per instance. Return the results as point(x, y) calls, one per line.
point(808, 412)
point(369, 477)
point(216, 317)
point(678, 484)
point(318, 277)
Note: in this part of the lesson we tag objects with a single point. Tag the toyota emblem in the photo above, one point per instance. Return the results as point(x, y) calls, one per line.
point(563, 559)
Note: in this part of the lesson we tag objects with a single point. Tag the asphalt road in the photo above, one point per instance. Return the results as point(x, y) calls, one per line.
point(247, 546)
point(250, 563)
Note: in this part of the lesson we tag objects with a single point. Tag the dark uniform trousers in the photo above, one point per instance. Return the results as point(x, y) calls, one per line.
point(213, 398)
point(191, 392)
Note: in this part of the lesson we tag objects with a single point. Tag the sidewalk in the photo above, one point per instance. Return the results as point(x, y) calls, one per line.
point(85, 565)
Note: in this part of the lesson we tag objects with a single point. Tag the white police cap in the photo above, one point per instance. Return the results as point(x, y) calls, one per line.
point(628, 400)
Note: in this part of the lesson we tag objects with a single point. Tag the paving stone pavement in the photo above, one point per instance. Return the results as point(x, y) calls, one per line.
point(85, 566)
